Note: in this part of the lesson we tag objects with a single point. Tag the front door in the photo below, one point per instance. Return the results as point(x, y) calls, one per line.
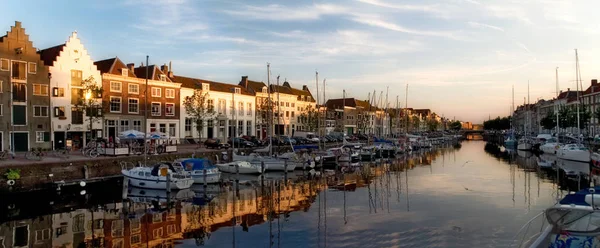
point(59, 140)
point(112, 132)
point(209, 132)
point(21, 141)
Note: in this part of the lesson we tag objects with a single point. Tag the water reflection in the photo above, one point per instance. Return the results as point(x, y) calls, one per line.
point(433, 198)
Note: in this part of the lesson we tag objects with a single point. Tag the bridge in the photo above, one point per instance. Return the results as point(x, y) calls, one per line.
point(472, 131)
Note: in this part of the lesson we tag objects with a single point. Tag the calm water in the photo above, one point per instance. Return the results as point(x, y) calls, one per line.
point(476, 195)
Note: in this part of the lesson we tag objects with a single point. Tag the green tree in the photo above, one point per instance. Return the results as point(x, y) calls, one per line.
point(89, 98)
point(549, 121)
point(310, 117)
point(264, 111)
point(455, 125)
point(432, 124)
point(596, 114)
point(416, 123)
point(197, 107)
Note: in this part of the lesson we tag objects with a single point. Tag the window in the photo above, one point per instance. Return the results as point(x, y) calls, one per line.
point(282, 104)
point(292, 114)
point(19, 113)
point(1, 108)
point(76, 95)
point(157, 233)
point(222, 106)
point(205, 87)
point(135, 239)
point(249, 128)
point(115, 104)
point(19, 92)
point(76, 116)
point(264, 90)
point(293, 105)
point(172, 129)
point(41, 235)
point(210, 104)
point(116, 227)
point(132, 106)
point(4, 64)
point(188, 124)
point(76, 78)
point(170, 93)
point(124, 125)
point(124, 72)
point(240, 127)
point(137, 125)
point(163, 77)
point(32, 68)
point(19, 70)
point(58, 92)
point(155, 109)
point(156, 92)
point(249, 109)
point(134, 88)
point(162, 128)
point(134, 225)
point(238, 90)
point(287, 104)
point(21, 236)
point(39, 137)
point(59, 111)
point(169, 109)
point(1, 85)
point(40, 111)
point(287, 114)
point(79, 223)
point(115, 86)
point(241, 108)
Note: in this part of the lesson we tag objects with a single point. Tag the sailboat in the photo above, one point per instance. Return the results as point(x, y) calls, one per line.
point(575, 152)
point(552, 145)
point(511, 141)
point(525, 143)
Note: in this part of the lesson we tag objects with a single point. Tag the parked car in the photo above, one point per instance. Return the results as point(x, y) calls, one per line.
point(274, 140)
point(240, 142)
point(215, 144)
point(255, 141)
point(302, 140)
point(287, 140)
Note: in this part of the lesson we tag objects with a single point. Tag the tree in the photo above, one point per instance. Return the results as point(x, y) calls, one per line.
point(497, 123)
point(548, 122)
point(432, 124)
point(310, 117)
point(416, 122)
point(264, 111)
point(596, 114)
point(456, 125)
point(197, 107)
point(89, 98)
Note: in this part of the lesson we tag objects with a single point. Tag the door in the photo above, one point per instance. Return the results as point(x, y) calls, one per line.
point(1, 141)
point(21, 142)
point(209, 132)
point(112, 132)
point(59, 140)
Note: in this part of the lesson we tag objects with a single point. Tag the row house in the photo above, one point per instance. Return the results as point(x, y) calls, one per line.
point(350, 115)
point(24, 93)
point(131, 93)
point(72, 69)
point(288, 106)
point(591, 99)
point(232, 106)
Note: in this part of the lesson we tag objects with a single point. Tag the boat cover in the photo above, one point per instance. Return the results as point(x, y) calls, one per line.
point(579, 197)
point(567, 240)
point(193, 164)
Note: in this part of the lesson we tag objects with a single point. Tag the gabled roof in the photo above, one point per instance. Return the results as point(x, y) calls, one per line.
point(594, 88)
point(154, 73)
point(49, 55)
point(113, 66)
point(196, 83)
point(569, 94)
point(253, 86)
point(338, 103)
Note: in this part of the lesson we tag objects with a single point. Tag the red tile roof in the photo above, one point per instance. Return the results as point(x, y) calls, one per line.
point(49, 55)
point(194, 83)
point(113, 66)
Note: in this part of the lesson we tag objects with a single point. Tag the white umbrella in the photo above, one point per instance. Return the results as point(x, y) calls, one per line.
point(157, 135)
point(131, 134)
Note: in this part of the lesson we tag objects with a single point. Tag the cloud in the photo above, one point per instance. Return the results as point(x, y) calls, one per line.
point(276, 12)
point(482, 25)
point(377, 22)
point(403, 7)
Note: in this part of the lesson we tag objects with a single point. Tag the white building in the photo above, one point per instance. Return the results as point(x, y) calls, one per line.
point(289, 104)
point(69, 64)
point(233, 105)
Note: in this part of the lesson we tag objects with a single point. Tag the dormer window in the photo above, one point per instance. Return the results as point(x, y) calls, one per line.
point(124, 72)
point(238, 90)
point(264, 90)
point(205, 87)
point(163, 77)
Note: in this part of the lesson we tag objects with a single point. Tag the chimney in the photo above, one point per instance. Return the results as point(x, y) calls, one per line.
point(170, 74)
point(305, 88)
point(286, 84)
point(594, 82)
point(244, 82)
point(130, 66)
point(165, 69)
point(568, 89)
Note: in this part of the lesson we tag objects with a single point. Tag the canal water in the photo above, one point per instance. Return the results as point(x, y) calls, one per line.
point(470, 195)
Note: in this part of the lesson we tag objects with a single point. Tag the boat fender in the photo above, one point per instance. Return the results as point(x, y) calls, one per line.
point(10, 182)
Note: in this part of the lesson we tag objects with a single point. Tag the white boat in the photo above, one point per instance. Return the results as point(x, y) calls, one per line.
point(271, 164)
point(241, 167)
point(550, 147)
point(349, 155)
point(573, 222)
point(156, 177)
point(524, 145)
point(201, 170)
point(574, 152)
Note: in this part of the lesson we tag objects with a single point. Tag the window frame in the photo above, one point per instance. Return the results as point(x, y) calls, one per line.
point(111, 86)
point(152, 113)
point(173, 112)
point(159, 92)
point(37, 133)
point(124, 72)
point(41, 89)
point(167, 94)
point(7, 64)
point(110, 104)
point(32, 65)
point(132, 92)
point(40, 107)
point(137, 105)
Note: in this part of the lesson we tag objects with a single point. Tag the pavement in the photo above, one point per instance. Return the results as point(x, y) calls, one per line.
point(77, 156)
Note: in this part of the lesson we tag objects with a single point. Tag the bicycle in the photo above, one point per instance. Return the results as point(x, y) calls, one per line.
point(61, 153)
point(35, 154)
point(4, 154)
point(92, 152)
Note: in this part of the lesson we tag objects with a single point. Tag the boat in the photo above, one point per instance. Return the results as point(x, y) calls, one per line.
point(550, 147)
point(197, 168)
point(524, 144)
point(510, 142)
point(349, 156)
point(241, 167)
point(156, 177)
point(328, 157)
point(574, 152)
point(595, 168)
point(367, 153)
point(270, 163)
point(573, 222)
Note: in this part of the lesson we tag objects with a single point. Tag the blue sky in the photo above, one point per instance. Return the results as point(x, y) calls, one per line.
point(459, 57)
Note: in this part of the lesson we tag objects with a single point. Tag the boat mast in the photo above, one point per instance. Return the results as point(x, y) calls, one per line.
point(278, 108)
point(556, 108)
point(146, 147)
point(344, 113)
point(269, 111)
point(318, 108)
point(578, 101)
point(234, 129)
point(398, 112)
point(406, 106)
point(386, 106)
point(528, 111)
point(324, 108)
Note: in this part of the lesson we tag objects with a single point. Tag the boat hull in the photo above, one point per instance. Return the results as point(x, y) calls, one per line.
point(242, 168)
point(574, 155)
point(524, 147)
point(157, 182)
point(198, 177)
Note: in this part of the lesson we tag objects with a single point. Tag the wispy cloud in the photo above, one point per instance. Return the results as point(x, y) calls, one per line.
point(276, 12)
point(403, 7)
point(377, 22)
point(483, 25)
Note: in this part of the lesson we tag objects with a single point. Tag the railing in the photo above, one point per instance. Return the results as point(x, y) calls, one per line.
point(525, 230)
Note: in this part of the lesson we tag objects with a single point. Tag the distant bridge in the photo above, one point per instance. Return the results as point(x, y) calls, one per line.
point(466, 132)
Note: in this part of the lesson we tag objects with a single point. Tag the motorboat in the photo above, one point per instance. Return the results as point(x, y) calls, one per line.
point(328, 157)
point(270, 163)
point(574, 152)
point(158, 177)
point(148, 195)
point(349, 156)
point(573, 222)
point(525, 144)
point(202, 170)
point(510, 142)
point(550, 147)
point(241, 167)
point(367, 153)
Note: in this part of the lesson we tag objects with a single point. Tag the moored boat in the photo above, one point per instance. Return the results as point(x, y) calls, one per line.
point(201, 170)
point(574, 152)
point(241, 167)
point(156, 177)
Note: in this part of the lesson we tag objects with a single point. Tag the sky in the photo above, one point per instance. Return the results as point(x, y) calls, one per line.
point(460, 58)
